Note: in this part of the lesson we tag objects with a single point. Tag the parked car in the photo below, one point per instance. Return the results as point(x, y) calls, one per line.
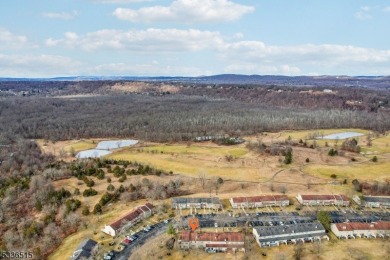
point(126, 242)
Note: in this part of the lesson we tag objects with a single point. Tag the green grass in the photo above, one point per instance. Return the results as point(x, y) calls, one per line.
point(80, 146)
point(204, 150)
point(366, 171)
point(211, 164)
point(379, 145)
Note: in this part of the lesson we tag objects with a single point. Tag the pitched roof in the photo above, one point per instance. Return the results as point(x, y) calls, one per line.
point(84, 249)
point(211, 200)
point(294, 231)
point(132, 215)
point(381, 199)
point(325, 197)
point(187, 236)
point(351, 226)
point(225, 245)
point(262, 198)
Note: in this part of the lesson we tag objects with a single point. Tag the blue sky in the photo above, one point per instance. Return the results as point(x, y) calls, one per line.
point(43, 38)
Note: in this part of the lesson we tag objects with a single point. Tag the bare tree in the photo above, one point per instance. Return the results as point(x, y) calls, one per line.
point(202, 179)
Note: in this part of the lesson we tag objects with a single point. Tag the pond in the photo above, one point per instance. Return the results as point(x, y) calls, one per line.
point(343, 135)
point(115, 144)
point(93, 153)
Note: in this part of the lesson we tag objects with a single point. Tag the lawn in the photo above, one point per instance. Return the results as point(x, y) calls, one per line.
point(191, 164)
point(379, 145)
point(80, 145)
point(237, 151)
point(361, 171)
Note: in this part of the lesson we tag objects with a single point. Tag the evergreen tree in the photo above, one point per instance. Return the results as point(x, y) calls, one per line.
point(288, 157)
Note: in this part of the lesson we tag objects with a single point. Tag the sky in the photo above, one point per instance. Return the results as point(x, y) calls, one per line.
point(46, 38)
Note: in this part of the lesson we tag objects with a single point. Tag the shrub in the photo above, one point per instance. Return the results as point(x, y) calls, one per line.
point(110, 187)
point(89, 192)
point(85, 211)
point(332, 152)
point(122, 178)
point(97, 209)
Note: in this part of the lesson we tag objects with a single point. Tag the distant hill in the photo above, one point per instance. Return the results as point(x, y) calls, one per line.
point(309, 81)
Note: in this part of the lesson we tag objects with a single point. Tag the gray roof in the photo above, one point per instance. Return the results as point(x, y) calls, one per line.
point(288, 232)
point(213, 200)
point(84, 250)
point(381, 199)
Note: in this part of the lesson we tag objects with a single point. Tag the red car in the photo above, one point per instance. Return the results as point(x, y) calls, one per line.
point(126, 242)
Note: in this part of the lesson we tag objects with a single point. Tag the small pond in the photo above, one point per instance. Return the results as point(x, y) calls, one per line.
point(115, 144)
point(343, 135)
point(93, 153)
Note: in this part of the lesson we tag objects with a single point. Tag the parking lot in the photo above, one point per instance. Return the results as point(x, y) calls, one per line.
point(141, 237)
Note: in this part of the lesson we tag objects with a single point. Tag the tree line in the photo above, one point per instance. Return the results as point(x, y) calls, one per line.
point(166, 118)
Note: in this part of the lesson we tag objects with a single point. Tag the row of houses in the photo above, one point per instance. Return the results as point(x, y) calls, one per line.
point(265, 237)
point(362, 230)
point(373, 201)
point(129, 220)
point(213, 241)
point(301, 232)
point(323, 200)
point(259, 201)
point(199, 203)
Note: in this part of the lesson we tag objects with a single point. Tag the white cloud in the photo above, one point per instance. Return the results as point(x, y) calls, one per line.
point(256, 68)
point(146, 69)
point(257, 56)
point(9, 40)
point(62, 15)
point(232, 53)
point(186, 11)
point(37, 65)
point(141, 41)
point(364, 13)
point(362, 16)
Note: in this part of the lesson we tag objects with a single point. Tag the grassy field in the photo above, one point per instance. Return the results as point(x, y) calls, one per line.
point(81, 145)
point(366, 171)
point(56, 147)
point(237, 151)
point(195, 159)
point(379, 146)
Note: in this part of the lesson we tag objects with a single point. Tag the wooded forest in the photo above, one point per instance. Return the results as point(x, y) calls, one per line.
point(189, 112)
